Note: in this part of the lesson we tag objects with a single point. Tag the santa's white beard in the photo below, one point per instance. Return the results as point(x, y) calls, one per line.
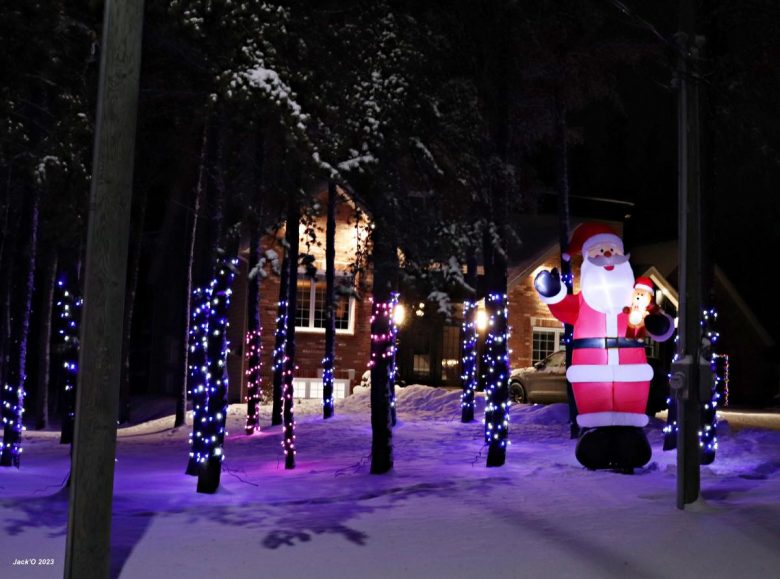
point(607, 291)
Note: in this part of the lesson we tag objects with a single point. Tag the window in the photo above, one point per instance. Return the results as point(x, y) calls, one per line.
point(545, 341)
point(310, 312)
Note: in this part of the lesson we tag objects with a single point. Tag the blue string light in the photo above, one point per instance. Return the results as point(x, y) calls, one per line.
point(68, 307)
point(468, 375)
point(209, 350)
point(495, 363)
point(198, 370)
point(708, 440)
point(254, 378)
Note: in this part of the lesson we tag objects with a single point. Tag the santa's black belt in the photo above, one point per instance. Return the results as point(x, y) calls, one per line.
point(605, 343)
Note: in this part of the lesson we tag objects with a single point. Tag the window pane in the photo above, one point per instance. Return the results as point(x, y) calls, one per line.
point(304, 304)
point(544, 343)
point(319, 306)
point(421, 364)
point(342, 312)
point(341, 309)
point(315, 389)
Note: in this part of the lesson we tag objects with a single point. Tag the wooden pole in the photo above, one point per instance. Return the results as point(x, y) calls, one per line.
point(690, 270)
point(87, 551)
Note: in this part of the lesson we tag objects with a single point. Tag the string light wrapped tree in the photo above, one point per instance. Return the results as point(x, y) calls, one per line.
point(328, 360)
point(254, 343)
point(708, 439)
point(198, 387)
point(217, 349)
point(469, 337)
point(66, 328)
point(280, 344)
point(288, 407)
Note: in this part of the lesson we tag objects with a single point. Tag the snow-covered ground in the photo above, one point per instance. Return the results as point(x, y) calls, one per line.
point(439, 513)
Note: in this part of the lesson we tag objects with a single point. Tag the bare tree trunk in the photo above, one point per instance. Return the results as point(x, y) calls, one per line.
point(330, 306)
point(562, 178)
point(181, 401)
point(13, 389)
point(44, 342)
point(132, 286)
point(9, 264)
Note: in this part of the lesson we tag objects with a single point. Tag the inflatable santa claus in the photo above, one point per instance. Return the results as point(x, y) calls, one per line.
point(609, 372)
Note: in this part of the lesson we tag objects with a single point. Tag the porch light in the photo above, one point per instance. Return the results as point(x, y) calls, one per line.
point(399, 314)
point(482, 320)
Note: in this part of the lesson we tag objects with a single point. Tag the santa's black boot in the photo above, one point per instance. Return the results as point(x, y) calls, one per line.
point(630, 448)
point(593, 448)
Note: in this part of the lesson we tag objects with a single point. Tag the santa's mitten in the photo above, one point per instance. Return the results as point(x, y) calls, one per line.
point(548, 283)
point(659, 325)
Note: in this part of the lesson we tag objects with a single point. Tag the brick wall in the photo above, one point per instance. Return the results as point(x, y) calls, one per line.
point(352, 350)
point(527, 311)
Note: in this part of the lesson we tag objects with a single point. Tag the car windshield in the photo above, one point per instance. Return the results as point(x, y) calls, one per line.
point(556, 359)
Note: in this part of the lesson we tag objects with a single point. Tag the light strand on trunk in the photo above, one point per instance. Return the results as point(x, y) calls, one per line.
point(254, 379)
point(218, 347)
point(496, 366)
point(198, 375)
point(468, 375)
point(66, 324)
point(719, 366)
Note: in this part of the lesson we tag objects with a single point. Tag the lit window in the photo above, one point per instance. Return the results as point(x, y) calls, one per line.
point(544, 342)
point(310, 312)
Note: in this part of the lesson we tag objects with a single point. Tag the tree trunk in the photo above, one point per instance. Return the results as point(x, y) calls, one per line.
point(385, 260)
point(68, 320)
point(132, 286)
point(9, 264)
point(44, 342)
point(280, 344)
point(13, 389)
point(205, 261)
point(495, 358)
point(564, 227)
point(293, 217)
point(217, 384)
point(328, 360)
point(254, 342)
point(190, 338)
point(469, 341)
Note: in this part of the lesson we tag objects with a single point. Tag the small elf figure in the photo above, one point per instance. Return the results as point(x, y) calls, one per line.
point(642, 304)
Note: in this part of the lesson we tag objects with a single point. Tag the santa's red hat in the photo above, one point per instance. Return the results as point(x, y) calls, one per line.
point(644, 283)
point(589, 234)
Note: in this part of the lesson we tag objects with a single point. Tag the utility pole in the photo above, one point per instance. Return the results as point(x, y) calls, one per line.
point(688, 376)
point(87, 551)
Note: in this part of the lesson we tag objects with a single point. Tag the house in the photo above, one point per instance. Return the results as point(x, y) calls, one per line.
point(429, 343)
point(353, 312)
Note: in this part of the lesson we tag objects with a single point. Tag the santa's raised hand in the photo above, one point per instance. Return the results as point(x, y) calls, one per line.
point(548, 283)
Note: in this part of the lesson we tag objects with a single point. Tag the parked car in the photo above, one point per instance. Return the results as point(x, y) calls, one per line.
point(545, 383)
